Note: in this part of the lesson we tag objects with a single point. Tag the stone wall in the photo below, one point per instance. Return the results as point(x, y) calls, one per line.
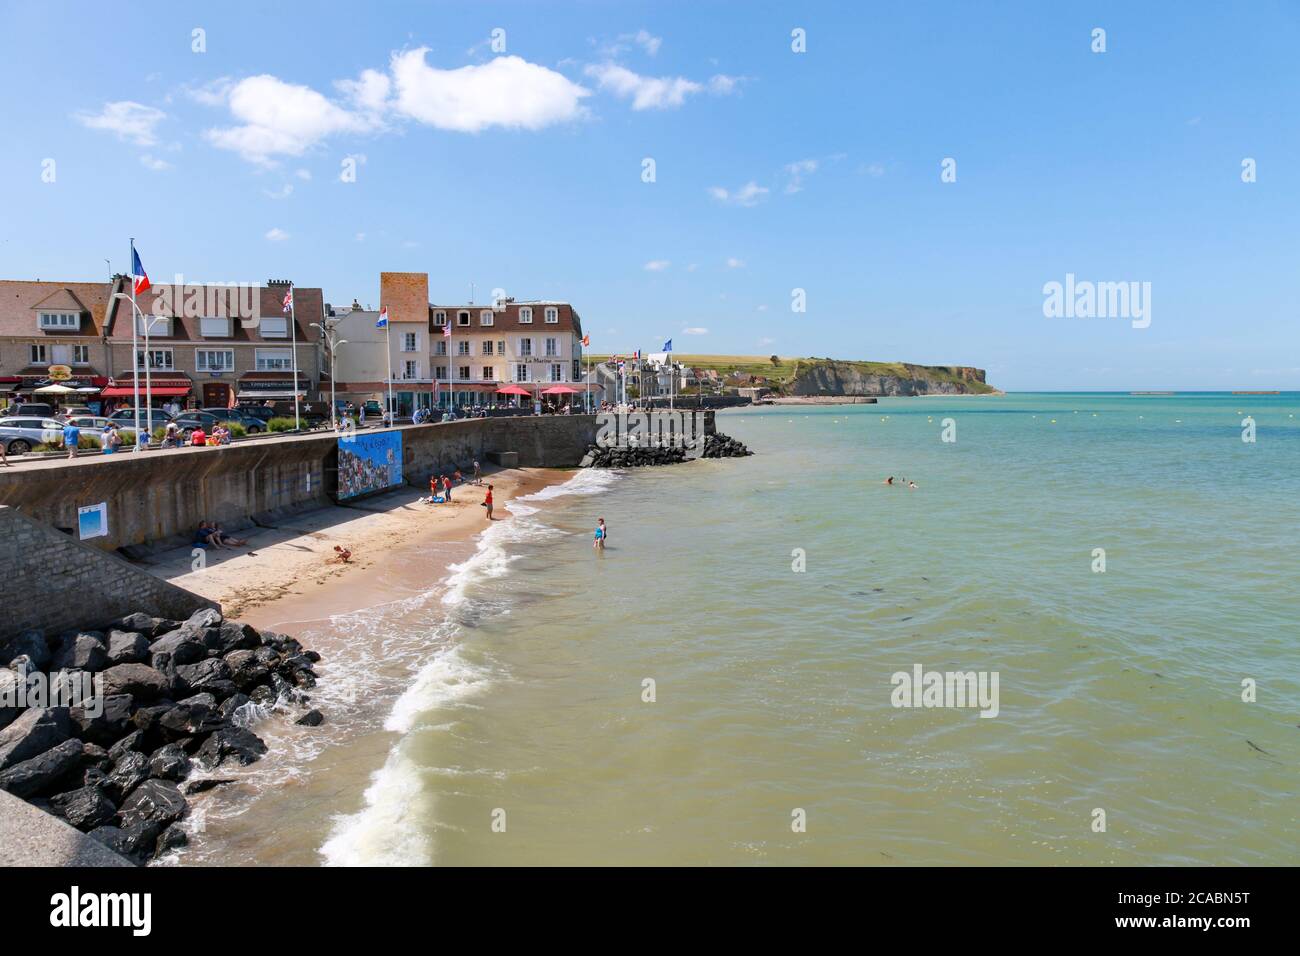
point(159, 497)
point(58, 583)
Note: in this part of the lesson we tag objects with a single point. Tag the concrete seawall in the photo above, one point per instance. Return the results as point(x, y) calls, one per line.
point(160, 496)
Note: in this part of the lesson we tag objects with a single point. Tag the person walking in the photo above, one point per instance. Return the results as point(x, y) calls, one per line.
point(110, 441)
point(487, 502)
point(71, 435)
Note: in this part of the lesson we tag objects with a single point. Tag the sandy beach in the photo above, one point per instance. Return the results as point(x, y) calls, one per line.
point(293, 574)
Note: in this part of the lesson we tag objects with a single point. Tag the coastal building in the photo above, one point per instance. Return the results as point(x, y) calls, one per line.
point(227, 353)
point(51, 333)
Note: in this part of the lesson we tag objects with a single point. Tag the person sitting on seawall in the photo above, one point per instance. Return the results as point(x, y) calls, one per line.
point(198, 437)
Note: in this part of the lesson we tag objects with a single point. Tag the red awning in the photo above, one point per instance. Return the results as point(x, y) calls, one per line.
point(561, 390)
point(128, 391)
point(513, 390)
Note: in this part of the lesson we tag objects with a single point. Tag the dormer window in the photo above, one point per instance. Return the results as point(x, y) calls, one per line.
point(552, 314)
point(159, 325)
point(440, 319)
point(485, 317)
point(462, 319)
point(525, 315)
point(214, 328)
point(274, 327)
point(60, 321)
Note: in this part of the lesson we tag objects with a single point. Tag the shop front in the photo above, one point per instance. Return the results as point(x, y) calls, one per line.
point(162, 388)
point(261, 387)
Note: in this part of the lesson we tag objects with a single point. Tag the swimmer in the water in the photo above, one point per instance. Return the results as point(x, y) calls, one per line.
point(889, 480)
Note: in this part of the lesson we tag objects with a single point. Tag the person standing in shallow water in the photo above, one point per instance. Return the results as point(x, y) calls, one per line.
point(487, 502)
point(601, 534)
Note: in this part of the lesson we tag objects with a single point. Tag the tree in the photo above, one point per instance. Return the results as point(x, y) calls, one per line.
point(775, 360)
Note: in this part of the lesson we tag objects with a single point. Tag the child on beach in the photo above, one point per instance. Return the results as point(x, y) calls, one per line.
point(601, 534)
point(487, 502)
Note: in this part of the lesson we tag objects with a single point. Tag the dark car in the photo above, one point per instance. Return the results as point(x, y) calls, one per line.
point(32, 410)
point(188, 421)
point(262, 413)
point(125, 417)
point(252, 424)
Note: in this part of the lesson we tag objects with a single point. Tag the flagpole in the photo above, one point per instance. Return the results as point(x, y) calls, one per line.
point(388, 348)
point(135, 351)
point(148, 366)
point(293, 334)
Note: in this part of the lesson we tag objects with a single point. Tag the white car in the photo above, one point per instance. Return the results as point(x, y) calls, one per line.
point(21, 434)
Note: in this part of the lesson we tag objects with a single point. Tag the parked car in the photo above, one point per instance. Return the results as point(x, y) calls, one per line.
point(88, 423)
point(32, 409)
point(22, 433)
point(261, 412)
point(125, 417)
point(188, 421)
point(252, 424)
point(68, 411)
point(373, 409)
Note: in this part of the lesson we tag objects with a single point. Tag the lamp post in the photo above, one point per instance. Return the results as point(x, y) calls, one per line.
point(327, 332)
point(148, 363)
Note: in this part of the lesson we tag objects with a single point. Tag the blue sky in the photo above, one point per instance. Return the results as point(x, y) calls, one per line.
point(775, 170)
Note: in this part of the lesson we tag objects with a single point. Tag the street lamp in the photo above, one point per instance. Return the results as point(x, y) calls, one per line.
point(146, 323)
point(331, 344)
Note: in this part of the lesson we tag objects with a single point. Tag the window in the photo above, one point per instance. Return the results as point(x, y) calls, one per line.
point(214, 360)
point(525, 315)
point(462, 319)
point(440, 347)
point(577, 370)
point(274, 327)
point(525, 348)
point(552, 314)
point(485, 317)
point(38, 355)
point(462, 348)
point(463, 372)
point(61, 321)
point(159, 325)
point(441, 372)
point(412, 369)
point(440, 319)
point(557, 373)
point(552, 348)
point(81, 355)
point(521, 372)
point(408, 341)
point(488, 373)
point(501, 347)
point(274, 360)
point(158, 359)
point(487, 347)
point(214, 328)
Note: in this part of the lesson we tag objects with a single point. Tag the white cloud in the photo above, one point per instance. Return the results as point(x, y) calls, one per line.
point(695, 330)
point(646, 41)
point(873, 169)
point(761, 308)
point(361, 237)
point(645, 92)
point(766, 341)
point(126, 119)
point(507, 91)
point(797, 171)
point(284, 192)
point(279, 118)
point(734, 263)
point(154, 163)
point(657, 265)
point(750, 194)
point(369, 92)
point(304, 174)
point(276, 235)
point(723, 85)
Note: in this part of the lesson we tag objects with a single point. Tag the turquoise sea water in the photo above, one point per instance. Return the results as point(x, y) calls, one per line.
point(1118, 691)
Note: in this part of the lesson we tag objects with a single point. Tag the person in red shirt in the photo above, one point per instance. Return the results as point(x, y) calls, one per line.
point(487, 502)
point(198, 437)
point(446, 489)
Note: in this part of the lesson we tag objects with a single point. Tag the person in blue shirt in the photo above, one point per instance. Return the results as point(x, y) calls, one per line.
point(71, 435)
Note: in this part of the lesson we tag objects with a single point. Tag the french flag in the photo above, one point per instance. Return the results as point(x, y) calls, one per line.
point(383, 318)
point(138, 274)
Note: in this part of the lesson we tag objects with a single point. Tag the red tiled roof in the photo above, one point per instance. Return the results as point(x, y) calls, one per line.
point(506, 318)
point(19, 299)
point(309, 306)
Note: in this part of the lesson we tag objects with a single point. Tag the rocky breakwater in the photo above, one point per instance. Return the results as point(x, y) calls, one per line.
point(716, 445)
point(105, 728)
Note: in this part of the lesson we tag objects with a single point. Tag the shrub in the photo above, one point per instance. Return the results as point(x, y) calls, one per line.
point(128, 437)
point(237, 430)
point(280, 425)
point(158, 434)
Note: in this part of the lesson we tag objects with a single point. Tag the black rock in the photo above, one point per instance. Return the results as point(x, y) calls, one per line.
point(232, 704)
point(157, 802)
point(81, 652)
point(43, 771)
point(267, 656)
point(29, 643)
point(170, 762)
point(130, 770)
point(246, 670)
point(127, 647)
point(146, 718)
point(96, 757)
point(173, 838)
point(180, 647)
point(304, 678)
point(35, 731)
point(85, 808)
point(203, 697)
point(144, 624)
point(211, 675)
point(111, 722)
point(134, 843)
point(132, 741)
point(206, 784)
point(231, 636)
point(263, 696)
point(313, 718)
point(311, 656)
point(188, 720)
point(94, 777)
point(243, 746)
point(138, 680)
